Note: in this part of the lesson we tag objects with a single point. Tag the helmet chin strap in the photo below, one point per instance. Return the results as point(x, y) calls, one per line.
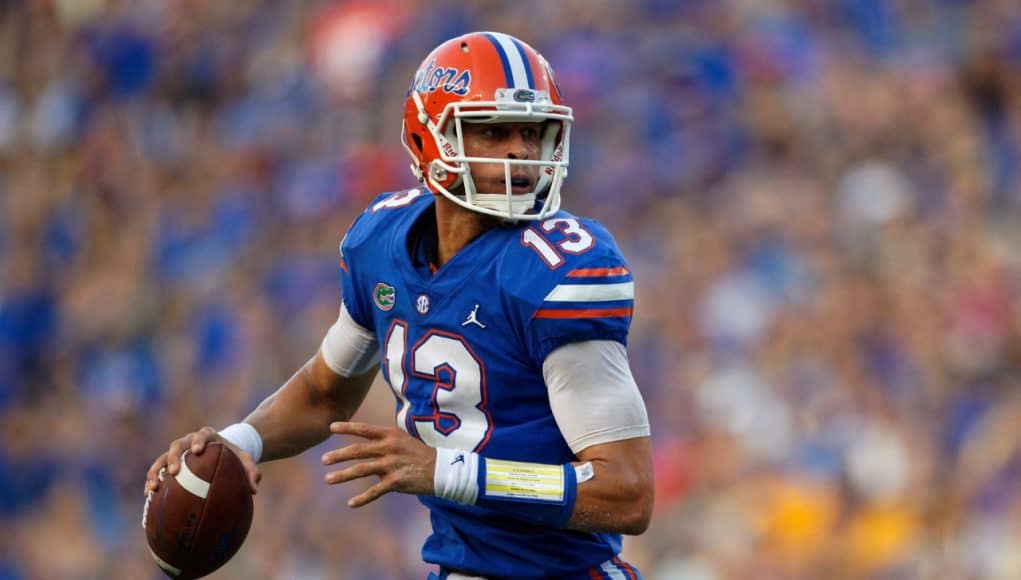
point(519, 204)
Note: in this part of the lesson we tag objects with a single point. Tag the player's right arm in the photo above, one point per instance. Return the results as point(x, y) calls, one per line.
point(298, 415)
point(329, 387)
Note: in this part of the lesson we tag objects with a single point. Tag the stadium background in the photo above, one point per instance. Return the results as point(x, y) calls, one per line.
point(820, 200)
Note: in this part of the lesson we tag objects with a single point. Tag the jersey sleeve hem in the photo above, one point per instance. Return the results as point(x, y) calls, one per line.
point(349, 348)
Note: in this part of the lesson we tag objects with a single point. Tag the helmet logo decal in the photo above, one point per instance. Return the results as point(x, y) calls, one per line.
point(384, 296)
point(524, 96)
point(432, 78)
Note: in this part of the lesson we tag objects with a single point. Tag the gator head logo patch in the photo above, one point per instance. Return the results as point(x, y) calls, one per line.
point(384, 296)
point(524, 96)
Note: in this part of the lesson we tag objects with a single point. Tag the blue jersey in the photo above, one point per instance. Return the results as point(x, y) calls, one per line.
point(463, 349)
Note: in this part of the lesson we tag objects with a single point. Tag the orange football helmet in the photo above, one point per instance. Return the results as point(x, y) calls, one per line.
point(485, 77)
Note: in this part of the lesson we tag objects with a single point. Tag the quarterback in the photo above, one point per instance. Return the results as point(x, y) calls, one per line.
point(500, 323)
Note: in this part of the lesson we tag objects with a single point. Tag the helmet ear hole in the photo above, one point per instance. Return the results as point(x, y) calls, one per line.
point(418, 141)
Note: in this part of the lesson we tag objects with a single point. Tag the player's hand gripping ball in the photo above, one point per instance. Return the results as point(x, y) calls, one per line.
point(196, 521)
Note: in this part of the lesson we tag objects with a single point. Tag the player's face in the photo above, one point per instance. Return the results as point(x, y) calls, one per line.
point(503, 141)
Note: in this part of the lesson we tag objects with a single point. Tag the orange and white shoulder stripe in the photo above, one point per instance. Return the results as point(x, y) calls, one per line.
point(590, 290)
point(591, 293)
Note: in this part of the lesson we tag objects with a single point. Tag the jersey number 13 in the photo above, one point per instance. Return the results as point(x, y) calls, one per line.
point(447, 408)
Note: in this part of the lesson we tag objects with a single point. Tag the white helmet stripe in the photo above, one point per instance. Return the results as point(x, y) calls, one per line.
point(514, 59)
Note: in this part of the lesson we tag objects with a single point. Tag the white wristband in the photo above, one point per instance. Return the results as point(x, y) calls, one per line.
point(456, 475)
point(245, 438)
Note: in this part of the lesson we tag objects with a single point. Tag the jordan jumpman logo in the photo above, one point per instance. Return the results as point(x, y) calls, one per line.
point(472, 318)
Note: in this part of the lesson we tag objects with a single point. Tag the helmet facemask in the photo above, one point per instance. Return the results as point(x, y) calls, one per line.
point(511, 105)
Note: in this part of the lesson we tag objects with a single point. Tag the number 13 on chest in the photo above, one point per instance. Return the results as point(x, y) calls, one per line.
point(446, 405)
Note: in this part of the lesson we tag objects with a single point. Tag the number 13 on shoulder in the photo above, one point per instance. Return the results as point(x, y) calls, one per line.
point(577, 240)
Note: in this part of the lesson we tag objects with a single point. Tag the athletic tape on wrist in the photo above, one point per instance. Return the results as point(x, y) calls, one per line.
point(535, 492)
point(519, 481)
point(244, 437)
point(456, 475)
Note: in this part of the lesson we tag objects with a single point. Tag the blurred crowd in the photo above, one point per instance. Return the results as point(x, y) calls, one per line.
point(820, 199)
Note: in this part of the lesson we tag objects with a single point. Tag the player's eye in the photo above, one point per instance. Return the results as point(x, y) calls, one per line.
point(495, 132)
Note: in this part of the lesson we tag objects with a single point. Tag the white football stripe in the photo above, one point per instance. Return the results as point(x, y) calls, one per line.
point(612, 571)
point(165, 565)
point(517, 65)
point(191, 482)
point(592, 292)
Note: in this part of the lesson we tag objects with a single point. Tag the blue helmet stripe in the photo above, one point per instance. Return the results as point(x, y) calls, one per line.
point(528, 65)
point(503, 58)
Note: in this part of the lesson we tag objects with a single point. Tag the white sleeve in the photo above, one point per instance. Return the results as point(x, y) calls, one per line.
point(593, 395)
point(349, 349)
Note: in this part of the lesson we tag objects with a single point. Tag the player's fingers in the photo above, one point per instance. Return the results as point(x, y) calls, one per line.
point(194, 442)
point(370, 495)
point(154, 469)
point(356, 471)
point(201, 437)
point(353, 451)
point(152, 480)
point(177, 447)
point(253, 471)
point(357, 429)
point(254, 477)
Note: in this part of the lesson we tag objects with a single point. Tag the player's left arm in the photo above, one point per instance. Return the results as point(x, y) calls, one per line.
point(601, 415)
point(619, 499)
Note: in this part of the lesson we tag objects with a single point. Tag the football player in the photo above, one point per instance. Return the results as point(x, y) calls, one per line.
point(500, 322)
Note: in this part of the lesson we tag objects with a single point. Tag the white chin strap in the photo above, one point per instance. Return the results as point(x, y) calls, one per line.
point(519, 204)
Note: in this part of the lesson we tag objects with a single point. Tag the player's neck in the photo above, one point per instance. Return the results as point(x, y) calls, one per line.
point(456, 227)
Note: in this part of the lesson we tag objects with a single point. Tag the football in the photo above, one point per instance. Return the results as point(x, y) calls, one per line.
point(196, 521)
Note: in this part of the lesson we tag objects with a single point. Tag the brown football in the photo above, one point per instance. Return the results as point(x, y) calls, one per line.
point(198, 519)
